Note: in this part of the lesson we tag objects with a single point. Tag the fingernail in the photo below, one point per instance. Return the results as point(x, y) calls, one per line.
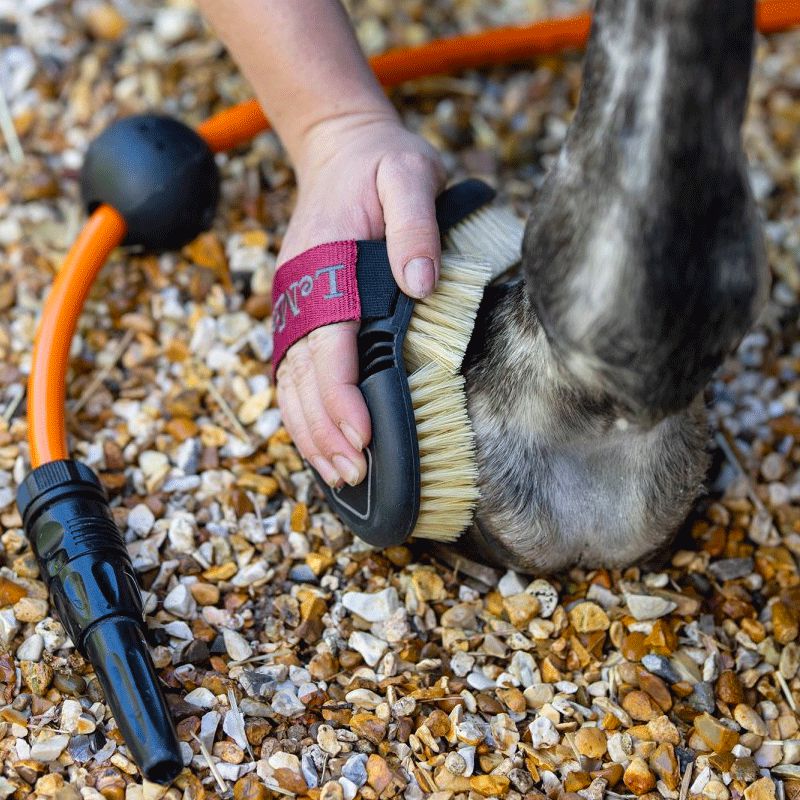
point(347, 469)
point(352, 437)
point(420, 276)
point(326, 471)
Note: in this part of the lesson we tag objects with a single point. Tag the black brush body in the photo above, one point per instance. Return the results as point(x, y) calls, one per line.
point(383, 509)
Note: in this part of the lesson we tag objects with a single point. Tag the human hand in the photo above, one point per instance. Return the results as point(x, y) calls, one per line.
point(359, 177)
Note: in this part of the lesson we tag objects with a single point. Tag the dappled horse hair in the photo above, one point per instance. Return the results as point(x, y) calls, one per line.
point(643, 267)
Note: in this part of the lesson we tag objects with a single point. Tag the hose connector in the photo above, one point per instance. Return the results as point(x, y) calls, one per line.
point(93, 587)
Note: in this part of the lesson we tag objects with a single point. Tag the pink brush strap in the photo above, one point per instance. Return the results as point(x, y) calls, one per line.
point(316, 288)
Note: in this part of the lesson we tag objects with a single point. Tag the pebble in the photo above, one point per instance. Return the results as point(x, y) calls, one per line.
point(749, 719)
point(374, 607)
point(762, 789)
point(591, 742)
point(510, 584)
point(237, 647)
point(141, 520)
point(201, 697)
point(646, 607)
point(729, 569)
point(9, 626)
point(32, 648)
point(543, 733)
point(662, 667)
point(717, 737)
point(180, 602)
point(588, 617)
point(547, 596)
point(638, 777)
point(355, 769)
point(286, 704)
point(370, 647)
point(47, 749)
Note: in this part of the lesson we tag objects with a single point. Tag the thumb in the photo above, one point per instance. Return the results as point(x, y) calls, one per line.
point(407, 189)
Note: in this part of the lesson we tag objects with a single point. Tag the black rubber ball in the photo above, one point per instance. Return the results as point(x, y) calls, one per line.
point(159, 174)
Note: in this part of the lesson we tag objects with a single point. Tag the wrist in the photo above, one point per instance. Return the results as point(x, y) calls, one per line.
point(327, 134)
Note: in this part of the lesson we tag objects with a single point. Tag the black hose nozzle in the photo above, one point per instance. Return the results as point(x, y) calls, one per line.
point(93, 587)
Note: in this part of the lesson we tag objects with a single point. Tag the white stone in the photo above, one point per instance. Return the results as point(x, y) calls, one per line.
point(546, 594)
point(201, 697)
point(281, 760)
point(180, 602)
point(645, 606)
point(153, 463)
point(525, 669)
point(461, 663)
point(141, 520)
point(31, 649)
point(375, 607)
point(46, 750)
point(617, 749)
point(286, 704)
point(349, 789)
point(71, 711)
point(237, 646)
point(171, 24)
point(468, 754)
point(511, 583)
point(53, 633)
point(181, 533)
point(370, 647)
point(768, 755)
point(179, 630)
point(209, 723)
point(543, 733)
point(9, 626)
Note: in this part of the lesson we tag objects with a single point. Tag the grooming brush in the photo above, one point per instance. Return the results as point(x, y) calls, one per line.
point(421, 473)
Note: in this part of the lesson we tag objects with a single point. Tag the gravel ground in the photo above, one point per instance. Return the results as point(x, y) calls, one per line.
point(297, 661)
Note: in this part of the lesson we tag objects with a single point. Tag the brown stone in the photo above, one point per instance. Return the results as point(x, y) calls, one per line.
point(762, 789)
point(662, 639)
point(250, 787)
point(634, 647)
point(490, 785)
point(300, 518)
point(640, 706)
point(638, 777)
point(521, 608)
point(716, 736)
point(729, 688)
point(588, 617)
point(369, 727)
point(575, 781)
point(784, 623)
point(591, 742)
point(10, 592)
point(290, 780)
point(104, 22)
point(665, 765)
point(205, 594)
point(657, 689)
point(611, 773)
point(379, 775)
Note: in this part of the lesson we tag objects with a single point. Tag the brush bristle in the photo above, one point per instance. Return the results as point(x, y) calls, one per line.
point(491, 233)
point(441, 325)
point(481, 247)
point(448, 473)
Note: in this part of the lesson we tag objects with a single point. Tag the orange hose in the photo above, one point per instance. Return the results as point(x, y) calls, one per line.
point(103, 231)
point(234, 126)
point(240, 123)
